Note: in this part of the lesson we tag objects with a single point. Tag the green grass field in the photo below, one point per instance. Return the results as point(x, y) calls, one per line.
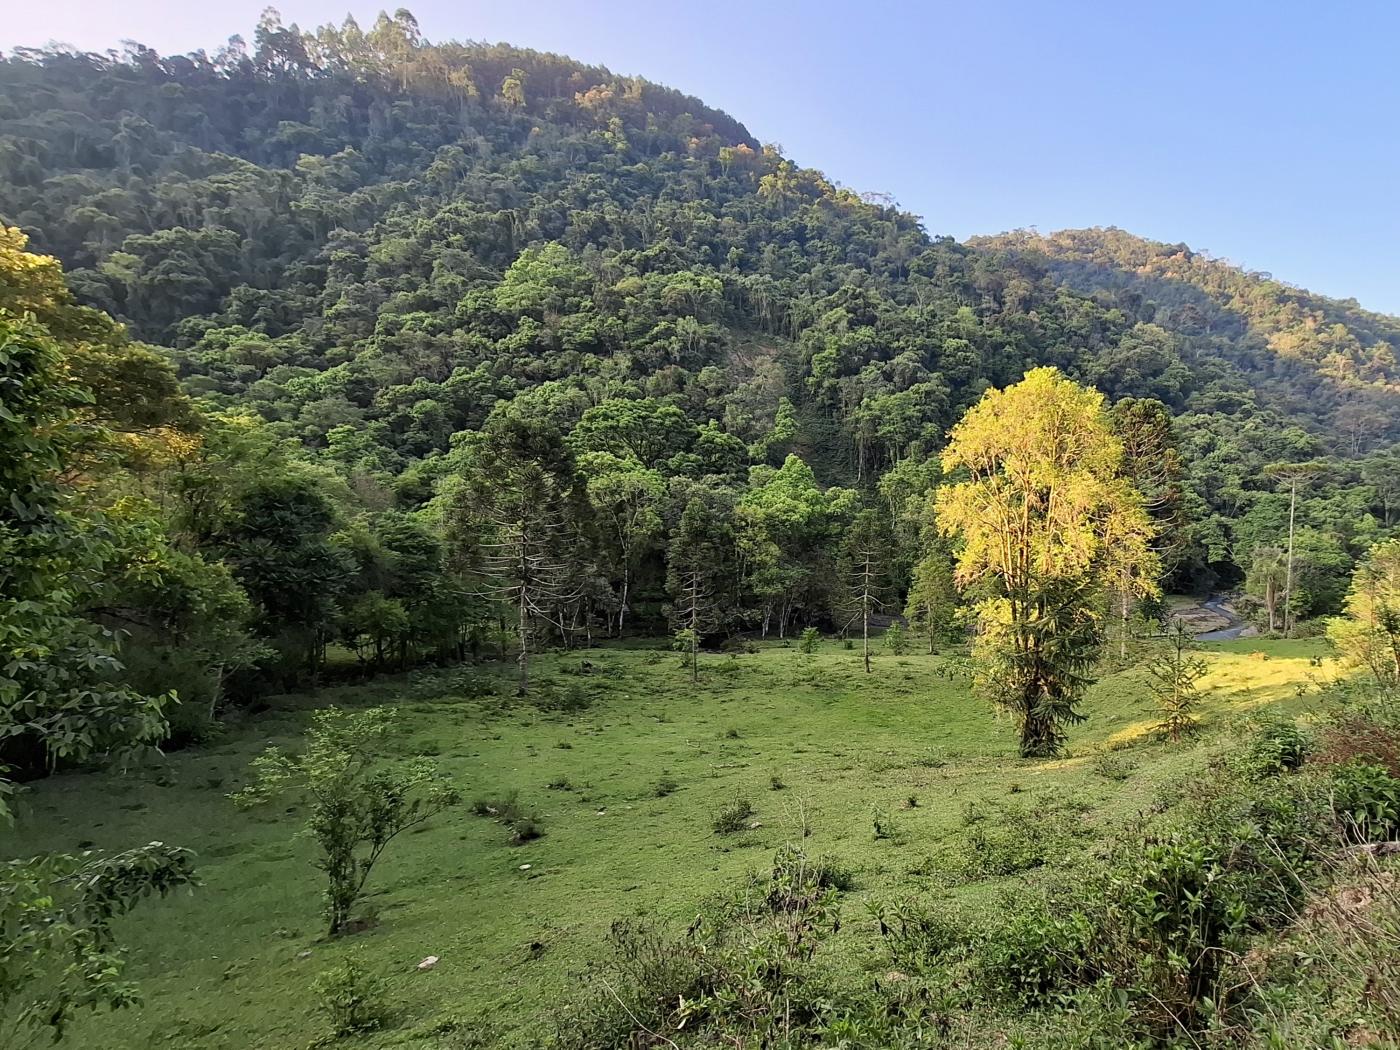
point(231, 965)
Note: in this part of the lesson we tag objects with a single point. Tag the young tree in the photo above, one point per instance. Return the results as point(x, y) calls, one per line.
point(865, 549)
point(1173, 676)
point(932, 601)
point(359, 804)
point(1368, 635)
point(897, 639)
point(1044, 518)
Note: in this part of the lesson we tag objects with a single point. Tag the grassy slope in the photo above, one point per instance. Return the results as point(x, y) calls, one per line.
point(222, 967)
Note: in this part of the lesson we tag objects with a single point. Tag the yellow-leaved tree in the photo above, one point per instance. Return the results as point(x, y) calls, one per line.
point(1368, 635)
point(1046, 521)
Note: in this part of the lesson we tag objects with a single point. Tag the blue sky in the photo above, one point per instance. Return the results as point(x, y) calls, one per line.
point(1267, 134)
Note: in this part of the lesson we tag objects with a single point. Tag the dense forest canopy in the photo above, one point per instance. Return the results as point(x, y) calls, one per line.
point(371, 290)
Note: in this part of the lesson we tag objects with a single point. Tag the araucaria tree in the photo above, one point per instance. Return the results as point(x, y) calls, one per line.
point(517, 521)
point(1173, 676)
point(359, 803)
point(691, 578)
point(865, 550)
point(1046, 520)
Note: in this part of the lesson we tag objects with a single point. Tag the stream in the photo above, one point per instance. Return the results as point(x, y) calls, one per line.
point(1216, 604)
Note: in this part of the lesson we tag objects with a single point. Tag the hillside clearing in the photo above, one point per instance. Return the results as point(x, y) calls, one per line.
point(626, 791)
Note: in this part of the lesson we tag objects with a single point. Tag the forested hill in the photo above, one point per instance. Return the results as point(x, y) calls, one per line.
point(1304, 348)
point(377, 243)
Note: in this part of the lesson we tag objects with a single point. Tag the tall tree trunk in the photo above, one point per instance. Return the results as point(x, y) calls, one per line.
point(1288, 577)
point(523, 660)
point(865, 632)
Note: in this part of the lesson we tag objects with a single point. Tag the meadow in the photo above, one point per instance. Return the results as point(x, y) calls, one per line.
point(903, 777)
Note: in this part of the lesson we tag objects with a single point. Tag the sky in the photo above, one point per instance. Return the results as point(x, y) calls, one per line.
point(1267, 134)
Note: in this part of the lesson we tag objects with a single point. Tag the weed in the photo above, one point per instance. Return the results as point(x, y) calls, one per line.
point(733, 816)
point(352, 997)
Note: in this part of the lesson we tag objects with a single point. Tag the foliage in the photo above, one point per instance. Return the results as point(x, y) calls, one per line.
point(58, 950)
point(733, 816)
point(1368, 634)
point(1045, 515)
point(897, 639)
point(351, 996)
point(358, 804)
point(1173, 677)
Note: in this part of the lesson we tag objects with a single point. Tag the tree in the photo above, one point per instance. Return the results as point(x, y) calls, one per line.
point(865, 549)
point(516, 519)
point(932, 601)
point(58, 951)
point(626, 502)
point(59, 685)
point(1043, 518)
point(1292, 474)
point(359, 804)
point(1266, 579)
point(691, 573)
point(1152, 461)
point(1172, 678)
point(1368, 634)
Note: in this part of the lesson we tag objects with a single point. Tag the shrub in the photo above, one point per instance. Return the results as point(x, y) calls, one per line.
point(525, 829)
point(916, 938)
point(1277, 746)
point(572, 699)
point(523, 826)
point(897, 639)
point(733, 816)
point(1366, 798)
point(810, 637)
point(1112, 765)
point(352, 997)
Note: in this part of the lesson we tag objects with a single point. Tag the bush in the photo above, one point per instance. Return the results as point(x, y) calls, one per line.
point(1366, 798)
point(523, 826)
point(897, 639)
point(352, 997)
point(1277, 746)
point(1112, 765)
point(810, 637)
point(733, 816)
